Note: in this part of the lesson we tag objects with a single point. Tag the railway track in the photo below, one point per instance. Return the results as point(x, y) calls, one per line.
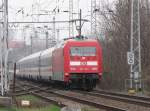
point(143, 98)
point(137, 100)
point(35, 90)
point(114, 101)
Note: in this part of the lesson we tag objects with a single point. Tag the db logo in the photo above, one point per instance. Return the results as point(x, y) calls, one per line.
point(83, 63)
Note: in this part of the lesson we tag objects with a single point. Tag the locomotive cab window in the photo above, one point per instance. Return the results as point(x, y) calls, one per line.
point(83, 51)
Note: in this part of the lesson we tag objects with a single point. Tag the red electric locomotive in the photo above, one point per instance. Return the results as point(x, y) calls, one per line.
point(74, 62)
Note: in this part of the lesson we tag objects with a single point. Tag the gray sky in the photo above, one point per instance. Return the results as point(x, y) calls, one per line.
point(26, 5)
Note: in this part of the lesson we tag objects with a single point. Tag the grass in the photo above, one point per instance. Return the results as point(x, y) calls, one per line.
point(33, 99)
point(28, 97)
point(48, 108)
point(7, 109)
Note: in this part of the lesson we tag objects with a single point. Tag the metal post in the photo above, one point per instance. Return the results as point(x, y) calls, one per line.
point(46, 39)
point(6, 71)
point(1, 70)
point(58, 35)
point(71, 18)
point(14, 78)
point(3, 48)
point(24, 38)
point(147, 6)
point(1, 62)
point(93, 17)
point(31, 38)
point(80, 23)
point(36, 10)
point(53, 33)
point(135, 70)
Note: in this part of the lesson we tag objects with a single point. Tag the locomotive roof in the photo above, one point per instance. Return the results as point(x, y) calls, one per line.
point(63, 42)
point(85, 40)
point(75, 40)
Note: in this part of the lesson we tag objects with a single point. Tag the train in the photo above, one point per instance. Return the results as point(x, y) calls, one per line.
point(74, 62)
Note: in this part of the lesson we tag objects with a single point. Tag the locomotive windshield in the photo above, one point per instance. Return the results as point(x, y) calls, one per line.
point(83, 51)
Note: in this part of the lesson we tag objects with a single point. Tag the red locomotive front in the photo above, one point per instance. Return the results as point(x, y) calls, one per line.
point(83, 63)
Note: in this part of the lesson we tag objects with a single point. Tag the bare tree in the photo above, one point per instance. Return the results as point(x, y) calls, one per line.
point(116, 27)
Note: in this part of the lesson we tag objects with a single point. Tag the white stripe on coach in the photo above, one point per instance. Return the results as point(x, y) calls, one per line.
point(74, 63)
point(92, 63)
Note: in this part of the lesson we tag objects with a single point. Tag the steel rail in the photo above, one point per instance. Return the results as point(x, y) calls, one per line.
point(124, 95)
point(119, 98)
point(88, 102)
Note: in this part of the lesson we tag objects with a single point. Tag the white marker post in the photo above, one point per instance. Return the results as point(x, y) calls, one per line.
point(130, 57)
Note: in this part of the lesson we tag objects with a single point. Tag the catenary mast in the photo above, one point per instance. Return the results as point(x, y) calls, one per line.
point(135, 48)
point(93, 17)
point(4, 48)
point(71, 34)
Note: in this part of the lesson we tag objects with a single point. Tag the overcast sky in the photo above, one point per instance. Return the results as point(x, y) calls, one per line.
point(26, 6)
point(15, 5)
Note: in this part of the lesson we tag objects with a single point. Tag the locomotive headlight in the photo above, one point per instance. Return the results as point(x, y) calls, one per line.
point(99, 74)
point(94, 68)
point(66, 74)
point(73, 68)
